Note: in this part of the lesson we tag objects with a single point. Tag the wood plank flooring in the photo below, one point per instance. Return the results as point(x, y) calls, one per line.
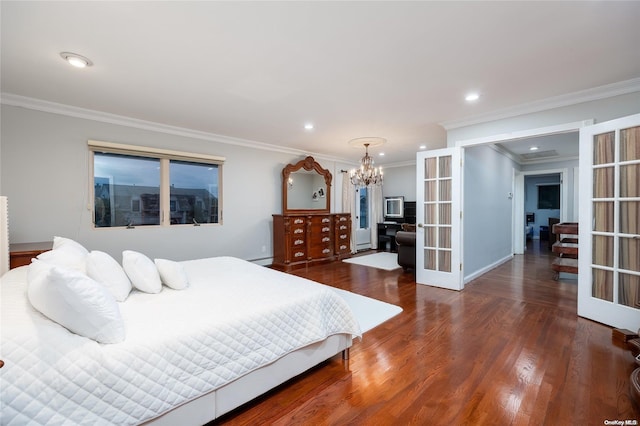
point(507, 350)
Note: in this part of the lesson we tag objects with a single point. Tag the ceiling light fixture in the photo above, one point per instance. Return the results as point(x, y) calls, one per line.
point(472, 97)
point(366, 175)
point(533, 148)
point(308, 126)
point(76, 60)
point(422, 147)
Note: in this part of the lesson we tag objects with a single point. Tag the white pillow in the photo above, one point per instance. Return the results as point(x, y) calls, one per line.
point(172, 274)
point(141, 271)
point(68, 242)
point(66, 256)
point(75, 301)
point(108, 272)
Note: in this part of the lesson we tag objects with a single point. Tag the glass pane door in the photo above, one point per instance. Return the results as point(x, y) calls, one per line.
point(438, 215)
point(609, 270)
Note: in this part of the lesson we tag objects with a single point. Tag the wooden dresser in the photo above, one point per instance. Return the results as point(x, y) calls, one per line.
point(304, 239)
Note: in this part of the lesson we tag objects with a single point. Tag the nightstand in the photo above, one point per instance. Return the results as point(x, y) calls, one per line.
point(21, 253)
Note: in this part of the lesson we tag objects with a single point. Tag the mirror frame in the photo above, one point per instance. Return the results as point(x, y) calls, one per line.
point(309, 164)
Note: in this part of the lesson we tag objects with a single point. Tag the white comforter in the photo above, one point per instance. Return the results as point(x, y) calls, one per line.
point(234, 318)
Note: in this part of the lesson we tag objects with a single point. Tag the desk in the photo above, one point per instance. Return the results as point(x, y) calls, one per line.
point(387, 236)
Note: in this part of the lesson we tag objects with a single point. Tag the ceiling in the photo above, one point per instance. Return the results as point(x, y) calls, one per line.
point(556, 147)
point(258, 71)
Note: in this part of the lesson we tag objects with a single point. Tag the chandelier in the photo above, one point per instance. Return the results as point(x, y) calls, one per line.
point(366, 175)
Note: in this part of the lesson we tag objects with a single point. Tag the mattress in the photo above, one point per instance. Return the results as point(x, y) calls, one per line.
point(234, 318)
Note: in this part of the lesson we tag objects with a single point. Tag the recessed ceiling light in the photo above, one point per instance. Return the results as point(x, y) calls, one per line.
point(76, 60)
point(422, 147)
point(533, 148)
point(472, 97)
point(381, 154)
point(308, 126)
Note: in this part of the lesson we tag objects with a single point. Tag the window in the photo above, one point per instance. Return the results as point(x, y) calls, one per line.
point(194, 189)
point(362, 209)
point(135, 186)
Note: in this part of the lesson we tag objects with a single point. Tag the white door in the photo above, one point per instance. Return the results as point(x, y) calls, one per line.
point(609, 223)
point(438, 215)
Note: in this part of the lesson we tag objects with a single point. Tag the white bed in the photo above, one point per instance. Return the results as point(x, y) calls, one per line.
point(189, 355)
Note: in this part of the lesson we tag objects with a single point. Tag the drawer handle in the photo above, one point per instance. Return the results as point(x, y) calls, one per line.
point(343, 236)
point(298, 242)
point(343, 227)
point(343, 219)
point(298, 231)
point(299, 254)
point(326, 229)
point(343, 247)
point(325, 239)
point(326, 220)
point(298, 221)
point(325, 251)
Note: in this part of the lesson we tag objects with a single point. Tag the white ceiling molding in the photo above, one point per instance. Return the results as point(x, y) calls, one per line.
point(399, 164)
point(528, 133)
point(103, 117)
point(588, 95)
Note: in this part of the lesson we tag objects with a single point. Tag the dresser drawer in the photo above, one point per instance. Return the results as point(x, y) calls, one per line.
point(342, 247)
point(297, 241)
point(321, 224)
point(342, 243)
point(321, 250)
point(298, 253)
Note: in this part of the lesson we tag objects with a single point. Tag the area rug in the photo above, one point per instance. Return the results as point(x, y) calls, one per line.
point(369, 312)
point(381, 260)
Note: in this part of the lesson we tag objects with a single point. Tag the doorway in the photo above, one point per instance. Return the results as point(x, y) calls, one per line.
point(487, 221)
point(541, 206)
point(531, 218)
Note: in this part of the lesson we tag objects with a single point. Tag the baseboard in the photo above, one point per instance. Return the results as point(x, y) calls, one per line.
point(487, 268)
point(264, 261)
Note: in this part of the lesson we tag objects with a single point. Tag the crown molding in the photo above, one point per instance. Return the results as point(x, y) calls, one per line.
point(399, 164)
point(588, 95)
point(518, 160)
point(104, 117)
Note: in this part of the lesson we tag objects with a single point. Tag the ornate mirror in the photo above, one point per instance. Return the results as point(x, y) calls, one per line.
point(306, 188)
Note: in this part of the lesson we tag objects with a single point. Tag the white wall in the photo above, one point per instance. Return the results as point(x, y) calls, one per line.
point(44, 172)
point(400, 180)
point(487, 209)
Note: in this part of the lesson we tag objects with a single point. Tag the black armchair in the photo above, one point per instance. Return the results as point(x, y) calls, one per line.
point(406, 241)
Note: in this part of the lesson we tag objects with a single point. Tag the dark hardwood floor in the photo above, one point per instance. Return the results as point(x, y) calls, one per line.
point(508, 349)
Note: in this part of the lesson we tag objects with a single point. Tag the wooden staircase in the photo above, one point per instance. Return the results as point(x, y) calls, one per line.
point(566, 247)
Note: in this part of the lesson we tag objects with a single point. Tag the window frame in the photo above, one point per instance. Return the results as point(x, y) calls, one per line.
point(165, 156)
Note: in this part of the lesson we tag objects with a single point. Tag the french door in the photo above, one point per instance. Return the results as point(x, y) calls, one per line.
point(609, 223)
point(438, 215)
